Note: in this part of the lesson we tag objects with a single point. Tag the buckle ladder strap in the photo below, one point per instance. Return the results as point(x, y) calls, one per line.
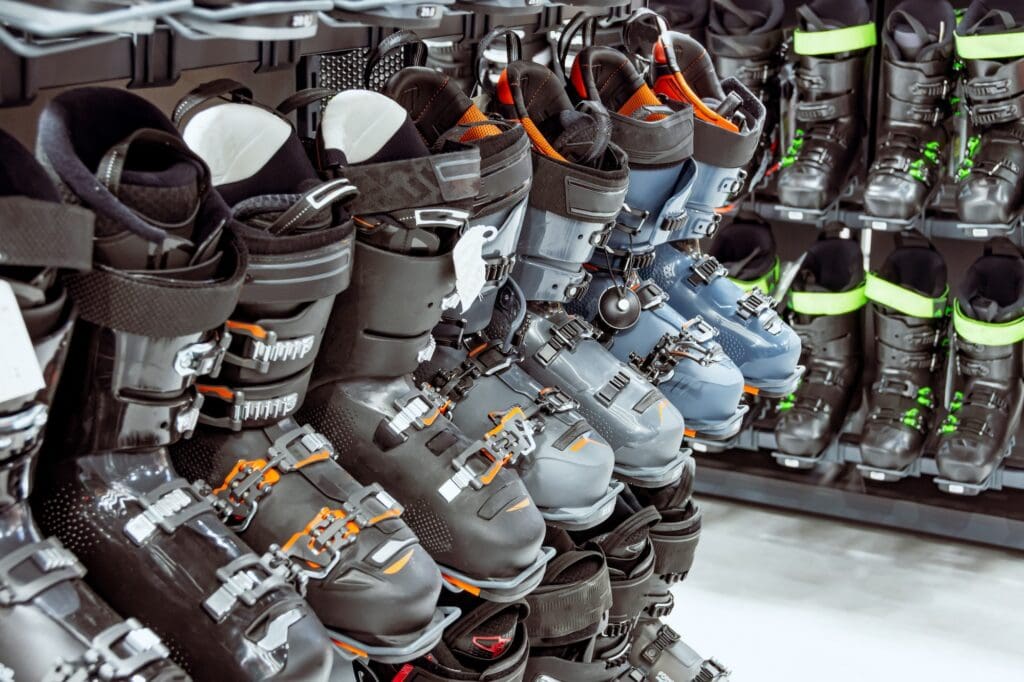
point(34, 568)
point(252, 406)
point(245, 580)
point(20, 432)
point(32, 228)
point(166, 509)
point(564, 337)
point(825, 109)
point(705, 270)
point(509, 440)
point(102, 661)
point(419, 409)
point(1000, 111)
point(498, 268)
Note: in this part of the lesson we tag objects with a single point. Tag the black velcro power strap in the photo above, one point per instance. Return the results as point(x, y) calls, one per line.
point(645, 144)
point(411, 183)
point(32, 228)
point(825, 109)
point(573, 611)
point(150, 306)
point(579, 193)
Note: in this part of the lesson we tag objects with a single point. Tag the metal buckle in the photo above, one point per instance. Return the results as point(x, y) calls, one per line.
point(418, 410)
point(675, 222)
point(600, 239)
point(665, 638)
point(753, 303)
point(261, 347)
point(509, 440)
point(203, 358)
point(242, 410)
point(167, 508)
point(640, 214)
point(47, 559)
point(247, 579)
point(101, 661)
point(20, 432)
point(554, 400)
point(705, 271)
point(497, 269)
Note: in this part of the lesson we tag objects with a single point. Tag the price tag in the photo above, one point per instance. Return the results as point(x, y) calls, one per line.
point(19, 368)
point(470, 269)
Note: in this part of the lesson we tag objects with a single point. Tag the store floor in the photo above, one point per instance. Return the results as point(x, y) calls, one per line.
point(781, 597)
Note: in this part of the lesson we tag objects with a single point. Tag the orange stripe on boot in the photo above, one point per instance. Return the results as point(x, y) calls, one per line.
point(539, 141)
point(477, 132)
point(643, 97)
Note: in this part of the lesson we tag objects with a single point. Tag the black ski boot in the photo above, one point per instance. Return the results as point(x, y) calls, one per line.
point(825, 308)
point(659, 653)
point(909, 304)
point(832, 44)
point(982, 419)
point(52, 626)
point(569, 471)
point(367, 577)
point(991, 177)
point(572, 151)
point(746, 249)
point(462, 498)
point(488, 644)
point(168, 269)
point(745, 41)
point(917, 68)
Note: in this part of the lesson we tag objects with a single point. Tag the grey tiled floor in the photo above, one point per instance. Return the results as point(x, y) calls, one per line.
point(781, 597)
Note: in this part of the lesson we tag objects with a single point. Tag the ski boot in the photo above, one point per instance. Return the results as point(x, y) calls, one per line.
point(832, 44)
point(462, 498)
point(52, 626)
point(366, 576)
point(727, 124)
point(572, 151)
point(909, 304)
point(488, 644)
point(658, 653)
point(44, 28)
point(168, 269)
point(991, 177)
point(631, 314)
point(745, 39)
point(481, 378)
point(983, 416)
point(825, 309)
point(746, 249)
point(269, 20)
point(917, 65)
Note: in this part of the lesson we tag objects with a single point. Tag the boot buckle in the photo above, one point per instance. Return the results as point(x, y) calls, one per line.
point(705, 271)
point(247, 579)
point(260, 347)
point(101, 661)
point(509, 440)
point(203, 358)
point(20, 432)
point(554, 400)
point(48, 561)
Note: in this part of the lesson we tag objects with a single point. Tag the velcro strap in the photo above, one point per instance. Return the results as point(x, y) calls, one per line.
point(629, 593)
point(577, 192)
point(904, 300)
point(1001, 111)
point(828, 303)
point(990, 46)
point(34, 568)
point(236, 408)
point(987, 333)
point(166, 508)
point(835, 40)
point(34, 228)
point(674, 553)
point(427, 181)
point(567, 612)
point(151, 306)
point(829, 76)
point(825, 109)
point(506, 176)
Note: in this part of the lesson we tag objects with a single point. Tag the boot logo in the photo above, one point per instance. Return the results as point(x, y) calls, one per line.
point(495, 645)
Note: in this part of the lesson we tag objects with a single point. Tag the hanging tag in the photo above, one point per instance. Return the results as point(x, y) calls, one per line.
point(470, 269)
point(19, 368)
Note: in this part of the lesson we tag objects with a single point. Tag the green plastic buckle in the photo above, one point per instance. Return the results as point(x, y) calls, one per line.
point(765, 283)
point(834, 41)
point(827, 303)
point(987, 333)
point(991, 46)
point(904, 300)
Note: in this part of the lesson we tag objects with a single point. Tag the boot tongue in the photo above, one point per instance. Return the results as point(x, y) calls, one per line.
point(169, 195)
point(579, 138)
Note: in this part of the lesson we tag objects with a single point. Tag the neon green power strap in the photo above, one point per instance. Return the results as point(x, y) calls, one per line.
point(827, 303)
point(837, 40)
point(987, 333)
point(904, 300)
point(992, 46)
point(765, 283)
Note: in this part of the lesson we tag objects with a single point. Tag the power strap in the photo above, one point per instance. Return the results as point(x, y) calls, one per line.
point(987, 333)
point(836, 40)
point(32, 228)
point(904, 300)
point(563, 611)
point(990, 46)
point(828, 303)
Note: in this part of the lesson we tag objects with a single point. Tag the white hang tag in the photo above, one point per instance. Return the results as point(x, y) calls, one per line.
point(427, 351)
point(470, 269)
point(19, 368)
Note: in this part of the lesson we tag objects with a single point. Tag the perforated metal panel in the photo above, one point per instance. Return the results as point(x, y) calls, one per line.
point(344, 70)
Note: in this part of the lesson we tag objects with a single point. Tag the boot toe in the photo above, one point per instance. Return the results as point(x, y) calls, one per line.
point(802, 434)
point(887, 196)
point(804, 188)
point(965, 461)
point(509, 541)
point(587, 462)
point(889, 447)
point(986, 200)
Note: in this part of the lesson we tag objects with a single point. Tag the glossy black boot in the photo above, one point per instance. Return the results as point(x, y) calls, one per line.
point(917, 73)
point(745, 40)
point(909, 304)
point(274, 480)
point(746, 249)
point(991, 176)
point(825, 308)
point(167, 272)
point(462, 497)
point(986, 396)
point(52, 626)
point(832, 45)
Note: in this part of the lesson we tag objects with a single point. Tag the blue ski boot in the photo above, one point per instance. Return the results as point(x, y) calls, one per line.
point(727, 122)
point(679, 355)
point(579, 183)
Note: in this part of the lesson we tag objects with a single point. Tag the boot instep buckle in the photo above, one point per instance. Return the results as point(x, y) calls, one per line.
point(20, 432)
